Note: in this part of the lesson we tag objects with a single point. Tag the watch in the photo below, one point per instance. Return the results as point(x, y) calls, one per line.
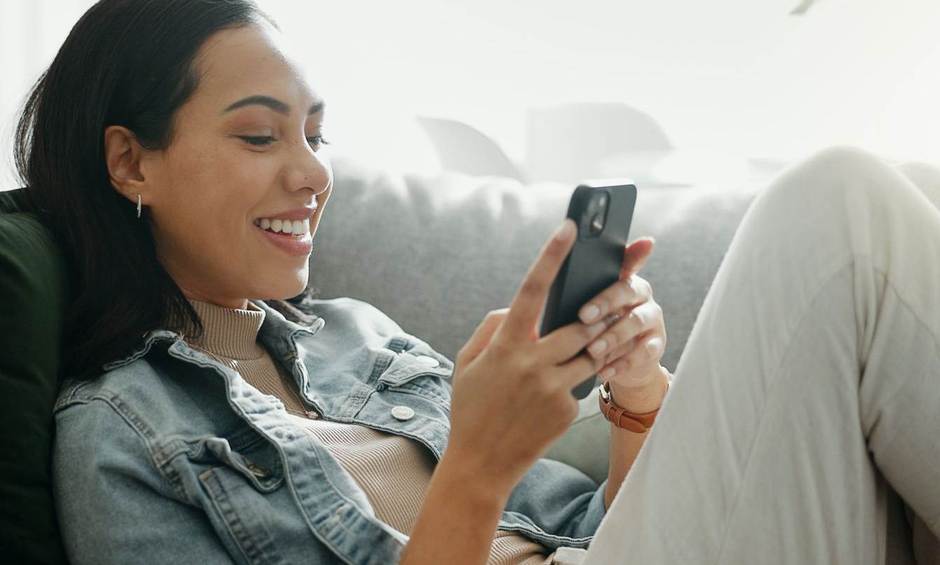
point(618, 416)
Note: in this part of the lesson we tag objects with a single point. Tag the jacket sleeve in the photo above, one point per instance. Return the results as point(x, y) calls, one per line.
point(559, 499)
point(113, 505)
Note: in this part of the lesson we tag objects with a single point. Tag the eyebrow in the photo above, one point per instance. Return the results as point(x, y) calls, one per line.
point(272, 103)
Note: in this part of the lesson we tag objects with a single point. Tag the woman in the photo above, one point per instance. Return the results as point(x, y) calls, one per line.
point(174, 149)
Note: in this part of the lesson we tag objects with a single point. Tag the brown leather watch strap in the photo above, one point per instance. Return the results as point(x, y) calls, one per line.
point(618, 416)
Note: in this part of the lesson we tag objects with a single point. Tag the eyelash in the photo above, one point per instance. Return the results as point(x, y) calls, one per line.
point(260, 140)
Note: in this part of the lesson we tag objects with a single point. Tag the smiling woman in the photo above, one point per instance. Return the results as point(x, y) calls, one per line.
point(207, 150)
point(211, 411)
point(174, 150)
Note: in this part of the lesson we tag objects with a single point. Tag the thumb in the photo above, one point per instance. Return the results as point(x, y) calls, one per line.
point(482, 335)
point(635, 256)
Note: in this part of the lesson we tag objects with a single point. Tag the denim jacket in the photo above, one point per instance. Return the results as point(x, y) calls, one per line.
point(170, 456)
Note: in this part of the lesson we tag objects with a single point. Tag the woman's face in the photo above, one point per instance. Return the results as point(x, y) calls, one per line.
point(246, 148)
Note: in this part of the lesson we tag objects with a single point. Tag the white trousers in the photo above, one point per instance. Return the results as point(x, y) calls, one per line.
point(805, 410)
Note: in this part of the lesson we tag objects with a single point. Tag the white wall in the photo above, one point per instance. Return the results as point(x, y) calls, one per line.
point(741, 75)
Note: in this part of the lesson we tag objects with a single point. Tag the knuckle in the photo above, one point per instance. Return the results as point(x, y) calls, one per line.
point(521, 362)
point(532, 286)
point(503, 352)
point(633, 283)
point(622, 332)
point(637, 317)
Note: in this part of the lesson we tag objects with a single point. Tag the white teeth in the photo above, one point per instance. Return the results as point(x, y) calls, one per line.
point(276, 225)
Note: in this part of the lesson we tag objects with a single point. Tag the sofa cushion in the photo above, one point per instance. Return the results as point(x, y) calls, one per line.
point(32, 286)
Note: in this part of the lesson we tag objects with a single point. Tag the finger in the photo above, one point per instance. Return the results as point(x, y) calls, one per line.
point(624, 293)
point(635, 256)
point(575, 371)
point(643, 318)
point(529, 302)
point(568, 341)
point(624, 357)
point(645, 351)
point(482, 335)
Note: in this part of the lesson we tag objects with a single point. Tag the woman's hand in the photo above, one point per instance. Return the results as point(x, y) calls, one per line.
point(636, 341)
point(512, 389)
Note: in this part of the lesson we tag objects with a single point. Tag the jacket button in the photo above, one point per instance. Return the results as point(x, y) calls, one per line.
point(427, 361)
point(257, 470)
point(403, 413)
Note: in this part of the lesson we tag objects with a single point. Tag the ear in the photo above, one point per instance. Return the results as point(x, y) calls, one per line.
point(123, 155)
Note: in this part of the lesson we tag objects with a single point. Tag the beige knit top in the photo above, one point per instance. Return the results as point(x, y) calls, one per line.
point(392, 470)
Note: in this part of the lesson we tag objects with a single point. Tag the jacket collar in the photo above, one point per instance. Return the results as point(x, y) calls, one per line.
point(276, 332)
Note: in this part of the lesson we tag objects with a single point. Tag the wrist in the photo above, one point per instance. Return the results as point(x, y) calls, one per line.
point(477, 485)
point(645, 398)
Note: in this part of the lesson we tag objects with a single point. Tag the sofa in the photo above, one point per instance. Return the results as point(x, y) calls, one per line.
point(435, 251)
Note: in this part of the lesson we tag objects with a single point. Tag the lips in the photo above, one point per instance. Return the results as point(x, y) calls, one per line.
point(303, 213)
point(293, 245)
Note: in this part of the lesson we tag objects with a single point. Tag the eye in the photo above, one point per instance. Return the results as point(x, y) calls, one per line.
point(257, 140)
point(317, 140)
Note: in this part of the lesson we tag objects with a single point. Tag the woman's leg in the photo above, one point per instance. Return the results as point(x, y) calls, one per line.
point(809, 390)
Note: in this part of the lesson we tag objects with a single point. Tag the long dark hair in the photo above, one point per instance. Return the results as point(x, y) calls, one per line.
point(129, 63)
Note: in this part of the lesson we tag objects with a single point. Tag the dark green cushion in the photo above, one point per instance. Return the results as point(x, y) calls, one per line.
point(32, 302)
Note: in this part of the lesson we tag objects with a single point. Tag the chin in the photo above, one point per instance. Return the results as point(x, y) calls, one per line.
point(283, 289)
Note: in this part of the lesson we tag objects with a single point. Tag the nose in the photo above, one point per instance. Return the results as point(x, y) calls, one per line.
point(309, 169)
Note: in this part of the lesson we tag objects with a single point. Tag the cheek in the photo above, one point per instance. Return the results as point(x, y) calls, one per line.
point(210, 198)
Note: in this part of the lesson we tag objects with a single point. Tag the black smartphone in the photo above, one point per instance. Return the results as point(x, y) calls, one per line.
point(603, 212)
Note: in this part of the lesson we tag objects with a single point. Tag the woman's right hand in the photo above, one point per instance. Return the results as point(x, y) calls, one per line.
point(512, 389)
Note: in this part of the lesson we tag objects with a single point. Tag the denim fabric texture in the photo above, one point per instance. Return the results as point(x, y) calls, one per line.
point(169, 444)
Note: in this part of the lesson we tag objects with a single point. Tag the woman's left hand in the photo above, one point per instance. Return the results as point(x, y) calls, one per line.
point(637, 340)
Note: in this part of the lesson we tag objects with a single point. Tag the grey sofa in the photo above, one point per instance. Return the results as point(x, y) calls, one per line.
point(436, 252)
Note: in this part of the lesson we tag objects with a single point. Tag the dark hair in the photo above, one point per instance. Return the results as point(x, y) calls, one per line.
point(129, 63)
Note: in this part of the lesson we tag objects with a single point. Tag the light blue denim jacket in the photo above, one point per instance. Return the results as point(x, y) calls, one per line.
point(171, 457)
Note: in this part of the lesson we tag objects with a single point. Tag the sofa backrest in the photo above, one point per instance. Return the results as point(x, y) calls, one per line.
point(436, 252)
point(32, 287)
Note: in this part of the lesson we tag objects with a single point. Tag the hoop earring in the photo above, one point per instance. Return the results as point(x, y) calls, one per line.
point(138, 205)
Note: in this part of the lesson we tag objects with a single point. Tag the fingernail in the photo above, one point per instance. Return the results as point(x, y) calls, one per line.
point(598, 346)
point(565, 231)
point(589, 312)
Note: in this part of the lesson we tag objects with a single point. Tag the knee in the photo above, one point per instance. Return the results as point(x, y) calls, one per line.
point(841, 160)
point(837, 175)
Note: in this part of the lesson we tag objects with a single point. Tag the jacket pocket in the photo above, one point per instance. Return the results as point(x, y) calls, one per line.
point(248, 455)
point(239, 477)
point(414, 359)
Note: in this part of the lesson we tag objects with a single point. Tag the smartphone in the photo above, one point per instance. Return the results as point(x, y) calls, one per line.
point(602, 212)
